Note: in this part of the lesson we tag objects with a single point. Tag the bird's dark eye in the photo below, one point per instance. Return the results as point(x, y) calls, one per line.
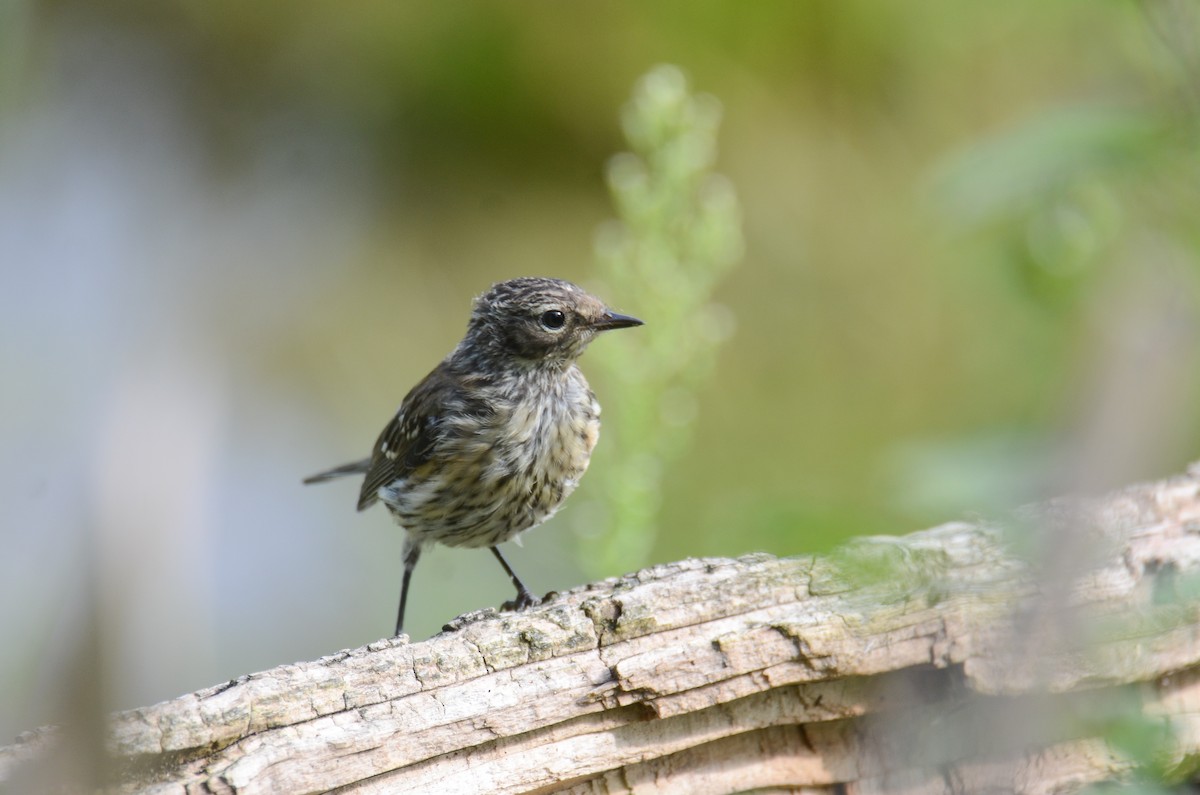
point(553, 319)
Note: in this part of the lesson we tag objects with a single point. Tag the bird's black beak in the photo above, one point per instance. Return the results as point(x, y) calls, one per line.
point(611, 320)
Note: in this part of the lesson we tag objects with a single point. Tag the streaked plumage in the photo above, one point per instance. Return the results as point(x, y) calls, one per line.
point(492, 441)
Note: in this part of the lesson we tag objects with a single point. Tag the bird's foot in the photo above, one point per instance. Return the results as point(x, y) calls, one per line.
point(524, 599)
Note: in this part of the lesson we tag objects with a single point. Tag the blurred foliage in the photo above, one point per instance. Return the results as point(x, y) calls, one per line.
point(1077, 199)
point(679, 232)
point(1068, 190)
point(1157, 745)
point(882, 570)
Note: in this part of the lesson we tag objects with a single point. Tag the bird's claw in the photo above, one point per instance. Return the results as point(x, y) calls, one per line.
point(524, 600)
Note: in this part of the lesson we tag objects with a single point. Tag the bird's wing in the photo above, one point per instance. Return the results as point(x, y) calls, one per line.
point(414, 433)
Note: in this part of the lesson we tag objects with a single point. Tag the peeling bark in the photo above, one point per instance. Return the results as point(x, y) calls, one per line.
point(937, 662)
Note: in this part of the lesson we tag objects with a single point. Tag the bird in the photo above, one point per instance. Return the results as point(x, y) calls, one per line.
point(493, 440)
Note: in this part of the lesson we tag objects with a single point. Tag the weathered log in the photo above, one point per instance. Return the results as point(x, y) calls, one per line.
point(936, 662)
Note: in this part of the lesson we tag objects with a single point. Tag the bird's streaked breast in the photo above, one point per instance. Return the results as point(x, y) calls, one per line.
point(486, 482)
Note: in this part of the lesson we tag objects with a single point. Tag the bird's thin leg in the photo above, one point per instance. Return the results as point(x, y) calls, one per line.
point(524, 597)
point(412, 552)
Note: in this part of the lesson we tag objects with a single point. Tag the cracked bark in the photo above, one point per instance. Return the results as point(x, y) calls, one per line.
point(905, 664)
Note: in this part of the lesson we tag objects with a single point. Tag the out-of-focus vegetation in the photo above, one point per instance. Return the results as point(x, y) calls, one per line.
point(679, 232)
point(233, 235)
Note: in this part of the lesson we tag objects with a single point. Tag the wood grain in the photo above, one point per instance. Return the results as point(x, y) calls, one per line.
point(936, 662)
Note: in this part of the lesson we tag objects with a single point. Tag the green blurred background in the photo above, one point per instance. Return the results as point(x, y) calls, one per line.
point(233, 235)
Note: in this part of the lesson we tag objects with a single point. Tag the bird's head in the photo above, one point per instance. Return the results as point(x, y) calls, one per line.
point(539, 320)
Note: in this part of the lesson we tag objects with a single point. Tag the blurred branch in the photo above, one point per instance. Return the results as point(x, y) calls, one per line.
point(882, 667)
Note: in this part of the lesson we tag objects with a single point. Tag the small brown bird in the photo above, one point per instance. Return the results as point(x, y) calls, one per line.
point(492, 441)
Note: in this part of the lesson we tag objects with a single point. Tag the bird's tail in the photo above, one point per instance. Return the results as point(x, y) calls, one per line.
point(356, 468)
